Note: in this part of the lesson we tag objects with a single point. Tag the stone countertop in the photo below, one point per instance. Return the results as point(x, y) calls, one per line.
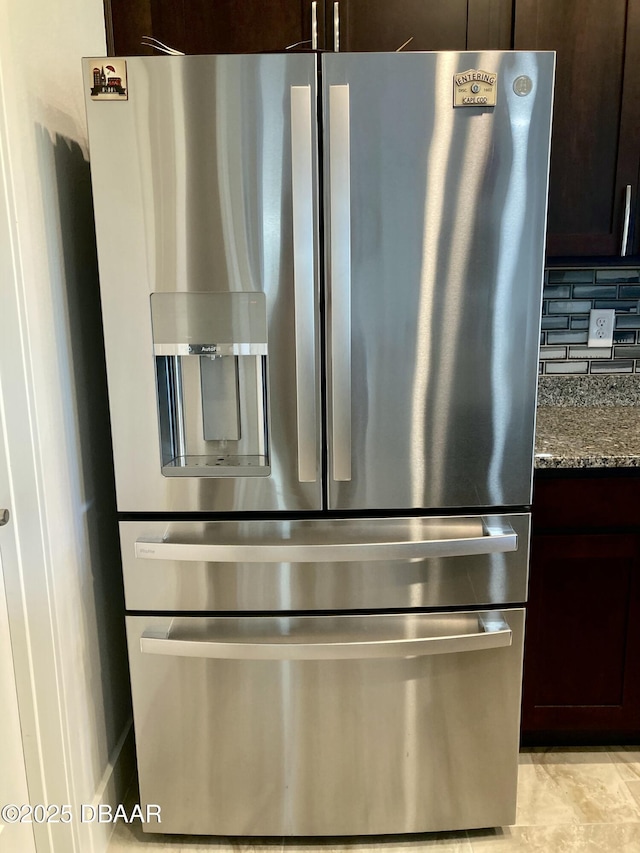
point(588, 422)
point(593, 437)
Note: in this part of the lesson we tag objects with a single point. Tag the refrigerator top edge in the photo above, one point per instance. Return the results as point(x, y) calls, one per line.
point(321, 53)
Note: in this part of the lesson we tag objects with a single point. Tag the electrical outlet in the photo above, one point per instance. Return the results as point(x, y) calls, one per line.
point(601, 327)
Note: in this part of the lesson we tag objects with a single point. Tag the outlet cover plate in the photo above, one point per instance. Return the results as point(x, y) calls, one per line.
point(601, 322)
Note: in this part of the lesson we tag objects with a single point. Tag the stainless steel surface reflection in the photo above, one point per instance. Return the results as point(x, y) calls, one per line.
point(192, 183)
point(240, 575)
point(274, 692)
point(317, 747)
point(444, 273)
point(206, 180)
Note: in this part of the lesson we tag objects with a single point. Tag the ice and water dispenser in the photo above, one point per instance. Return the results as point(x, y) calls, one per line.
point(211, 365)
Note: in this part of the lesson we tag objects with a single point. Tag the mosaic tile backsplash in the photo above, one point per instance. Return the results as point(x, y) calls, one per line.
point(569, 295)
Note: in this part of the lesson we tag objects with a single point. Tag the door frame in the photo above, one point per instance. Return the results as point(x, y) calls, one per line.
point(24, 541)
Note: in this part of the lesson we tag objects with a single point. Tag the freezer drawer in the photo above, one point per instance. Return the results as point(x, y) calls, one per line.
point(325, 564)
point(327, 725)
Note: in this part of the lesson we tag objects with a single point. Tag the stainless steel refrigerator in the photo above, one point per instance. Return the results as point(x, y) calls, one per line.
point(321, 286)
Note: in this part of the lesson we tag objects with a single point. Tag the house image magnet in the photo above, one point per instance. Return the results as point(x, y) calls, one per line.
point(109, 80)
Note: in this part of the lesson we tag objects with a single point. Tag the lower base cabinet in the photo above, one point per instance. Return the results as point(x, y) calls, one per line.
point(582, 644)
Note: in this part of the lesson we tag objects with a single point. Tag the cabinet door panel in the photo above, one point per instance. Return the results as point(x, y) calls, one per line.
point(212, 26)
point(489, 25)
point(226, 26)
point(378, 25)
point(583, 638)
point(594, 155)
point(584, 503)
point(126, 21)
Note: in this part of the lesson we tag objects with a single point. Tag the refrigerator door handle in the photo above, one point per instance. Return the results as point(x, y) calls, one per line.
point(494, 541)
point(340, 277)
point(493, 632)
point(303, 280)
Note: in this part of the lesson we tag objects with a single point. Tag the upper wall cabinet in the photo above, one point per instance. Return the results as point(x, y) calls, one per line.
point(595, 151)
point(381, 25)
point(214, 26)
point(245, 26)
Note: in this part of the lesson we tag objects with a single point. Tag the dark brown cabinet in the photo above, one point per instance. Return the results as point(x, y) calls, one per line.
point(245, 26)
point(378, 25)
point(595, 152)
point(212, 26)
point(582, 647)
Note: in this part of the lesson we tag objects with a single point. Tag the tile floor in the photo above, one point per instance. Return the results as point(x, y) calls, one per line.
point(570, 800)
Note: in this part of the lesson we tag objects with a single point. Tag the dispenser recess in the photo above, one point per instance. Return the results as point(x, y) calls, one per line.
point(211, 378)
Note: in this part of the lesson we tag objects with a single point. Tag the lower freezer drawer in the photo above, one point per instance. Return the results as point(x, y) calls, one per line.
point(327, 725)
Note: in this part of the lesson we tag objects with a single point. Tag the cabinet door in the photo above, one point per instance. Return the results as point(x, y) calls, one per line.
point(379, 25)
point(596, 136)
point(583, 638)
point(211, 26)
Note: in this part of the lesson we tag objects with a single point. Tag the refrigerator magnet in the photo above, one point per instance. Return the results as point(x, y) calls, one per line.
point(475, 88)
point(109, 80)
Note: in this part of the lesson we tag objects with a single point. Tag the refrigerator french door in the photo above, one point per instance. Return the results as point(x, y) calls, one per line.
point(435, 217)
point(321, 286)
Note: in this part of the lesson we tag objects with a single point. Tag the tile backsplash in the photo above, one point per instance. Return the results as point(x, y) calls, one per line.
point(569, 295)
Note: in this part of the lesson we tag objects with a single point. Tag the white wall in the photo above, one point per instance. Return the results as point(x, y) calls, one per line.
point(14, 838)
point(63, 583)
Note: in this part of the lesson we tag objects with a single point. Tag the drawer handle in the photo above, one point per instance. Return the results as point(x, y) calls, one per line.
point(493, 633)
point(494, 541)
